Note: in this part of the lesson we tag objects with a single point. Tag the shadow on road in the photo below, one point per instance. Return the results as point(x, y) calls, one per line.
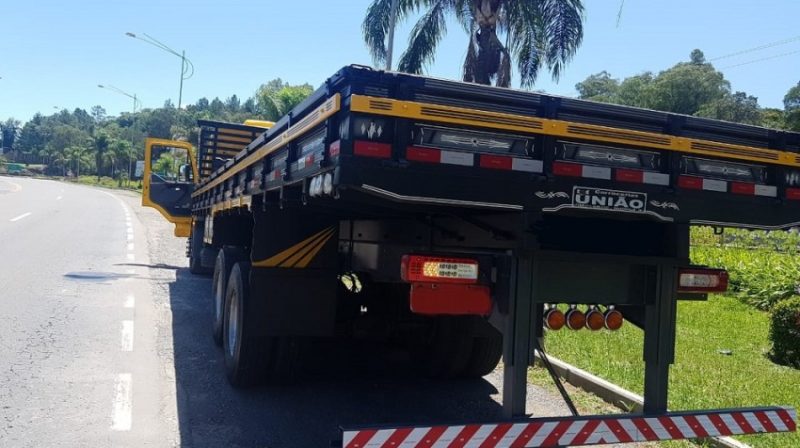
point(151, 266)
point(350, 385)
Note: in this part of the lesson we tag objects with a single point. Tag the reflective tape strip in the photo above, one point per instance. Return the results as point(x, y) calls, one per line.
point(572, 433)
point(596, 172)
point(527, 165)
point(766, 190)
point(715, 185)
point(448, 436)
point(510, 163)
point(793, 194)
point(683, 425)
point(708, 425)
point(730, 422)
point(457, 158)
point(655, 178)
point(577, 431)
point(641, 177)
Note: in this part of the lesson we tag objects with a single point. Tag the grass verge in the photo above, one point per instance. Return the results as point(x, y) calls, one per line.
point(107, 182)
point(702, 377)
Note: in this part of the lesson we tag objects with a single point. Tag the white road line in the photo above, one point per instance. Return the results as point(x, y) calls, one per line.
point(130, 301)
point(24, 215)
point(131, 257)
point(14, 186)
point(122, 408)
point(127, 335)
point(58, 198)
point(130, 247)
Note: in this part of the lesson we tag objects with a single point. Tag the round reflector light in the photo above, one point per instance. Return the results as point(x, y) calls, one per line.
point(554, 319)
point(595, 320)
point(575, 319)
point(613, 319)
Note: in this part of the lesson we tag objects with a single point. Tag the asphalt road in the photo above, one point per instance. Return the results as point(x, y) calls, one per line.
point(105, 341)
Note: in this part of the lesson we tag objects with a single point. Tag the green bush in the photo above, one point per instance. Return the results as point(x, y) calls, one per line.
point(764, 267)
point(784, 332)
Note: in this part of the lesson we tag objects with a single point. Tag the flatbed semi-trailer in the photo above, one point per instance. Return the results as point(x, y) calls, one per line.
point(454, 218)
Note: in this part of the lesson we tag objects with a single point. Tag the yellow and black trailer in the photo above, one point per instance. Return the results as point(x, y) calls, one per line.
point(455, 217)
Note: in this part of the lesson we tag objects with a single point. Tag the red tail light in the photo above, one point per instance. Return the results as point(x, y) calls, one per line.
point(700, 280)
point(450, 299)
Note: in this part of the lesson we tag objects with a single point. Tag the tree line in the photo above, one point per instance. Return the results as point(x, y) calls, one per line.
point(693, 87)
point(82, 142)
point(90, 142)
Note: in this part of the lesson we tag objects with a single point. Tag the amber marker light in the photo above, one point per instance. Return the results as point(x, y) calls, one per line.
point(575, 318)
point(595, 320)
point(613, 319)
point(554, 319)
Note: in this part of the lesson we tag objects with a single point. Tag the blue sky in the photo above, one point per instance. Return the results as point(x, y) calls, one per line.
point(53, 53)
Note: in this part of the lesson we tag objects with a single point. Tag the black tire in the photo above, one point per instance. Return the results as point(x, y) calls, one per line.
point(487, 349)
point(196, 266)
point(226, 258)
point(251, 356)
point(246, 353)
point(450, 349)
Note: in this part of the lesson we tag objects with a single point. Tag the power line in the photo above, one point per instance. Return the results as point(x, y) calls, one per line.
point(619, 13)
point(762, 59)
point(758, 48)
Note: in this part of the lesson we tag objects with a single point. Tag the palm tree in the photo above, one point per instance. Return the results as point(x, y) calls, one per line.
point(77, 156)
point(109, 159)
point(536, 32)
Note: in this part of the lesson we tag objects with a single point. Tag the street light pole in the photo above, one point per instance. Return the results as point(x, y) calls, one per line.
point(121, 92)
point(390, 38)
point(183, 73)
point(187, 68)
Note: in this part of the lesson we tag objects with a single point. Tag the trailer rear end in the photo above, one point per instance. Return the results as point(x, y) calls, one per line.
point(467, 222)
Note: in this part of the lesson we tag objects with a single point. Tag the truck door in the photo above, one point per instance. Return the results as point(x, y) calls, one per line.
point(170, 172)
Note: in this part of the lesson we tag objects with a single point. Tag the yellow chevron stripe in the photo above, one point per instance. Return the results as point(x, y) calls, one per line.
point(279, 258)
point(305, 261)
point(307, 253)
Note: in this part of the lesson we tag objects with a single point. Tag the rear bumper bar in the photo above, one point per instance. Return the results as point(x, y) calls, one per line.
point(569, 431)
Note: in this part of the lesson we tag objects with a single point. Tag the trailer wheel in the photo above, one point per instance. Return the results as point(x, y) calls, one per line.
point(451, 348)
point(251, 356)
point(246, 351)
point(226, 258)
point(487, 349)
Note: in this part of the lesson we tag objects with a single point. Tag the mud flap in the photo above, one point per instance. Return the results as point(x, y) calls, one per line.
point(294, 269)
